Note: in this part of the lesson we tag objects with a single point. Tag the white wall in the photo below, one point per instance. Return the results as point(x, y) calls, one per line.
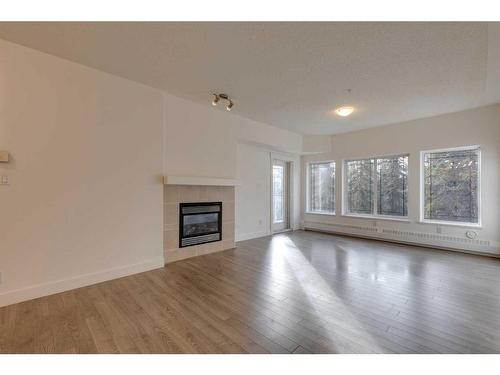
point(84, 202)
point(88, 151)
point(202, 141)
point(474, 127)
point(253, 196)
point(316, 144)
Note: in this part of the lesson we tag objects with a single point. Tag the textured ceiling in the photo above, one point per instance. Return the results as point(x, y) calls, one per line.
point(292, 75)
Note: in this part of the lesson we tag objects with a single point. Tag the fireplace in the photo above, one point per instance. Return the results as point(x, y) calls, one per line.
point(200, 223)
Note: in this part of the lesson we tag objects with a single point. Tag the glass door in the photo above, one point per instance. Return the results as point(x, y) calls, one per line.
point(280, 196)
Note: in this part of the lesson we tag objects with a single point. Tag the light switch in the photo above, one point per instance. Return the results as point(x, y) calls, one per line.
point(4, 180)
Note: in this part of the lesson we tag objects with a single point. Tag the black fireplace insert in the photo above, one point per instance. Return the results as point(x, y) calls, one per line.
point(200, 223)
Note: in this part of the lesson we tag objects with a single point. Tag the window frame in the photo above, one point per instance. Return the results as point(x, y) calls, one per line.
point(375, 215)
point(308, 189)
point(464, 224)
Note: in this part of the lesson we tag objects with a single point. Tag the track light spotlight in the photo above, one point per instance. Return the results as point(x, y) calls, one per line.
point(215, 100)
point(218, 97)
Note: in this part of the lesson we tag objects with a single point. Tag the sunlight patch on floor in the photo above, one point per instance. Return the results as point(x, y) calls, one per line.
point(312, 282)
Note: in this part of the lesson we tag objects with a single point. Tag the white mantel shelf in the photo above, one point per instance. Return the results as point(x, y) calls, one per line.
point(202, 181)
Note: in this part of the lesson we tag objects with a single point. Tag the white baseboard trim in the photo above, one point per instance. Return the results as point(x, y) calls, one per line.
point(444, 242)
point(58, 286)
point(249, 236)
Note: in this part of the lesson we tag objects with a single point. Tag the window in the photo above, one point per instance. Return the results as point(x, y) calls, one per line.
point(321, 187)
point(377, 186)
point(392, 179)
point(451, 185)
point(360, 186)
point(278, 193)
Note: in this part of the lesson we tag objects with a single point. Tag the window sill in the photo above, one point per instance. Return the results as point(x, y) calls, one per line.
point(450, 224)
point(373, 217)
point(320, 213)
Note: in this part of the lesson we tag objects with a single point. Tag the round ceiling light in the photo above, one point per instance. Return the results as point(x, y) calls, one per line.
point(344, 111)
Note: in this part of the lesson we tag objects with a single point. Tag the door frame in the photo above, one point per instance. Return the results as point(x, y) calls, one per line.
point(284, 224)
point(291, 164)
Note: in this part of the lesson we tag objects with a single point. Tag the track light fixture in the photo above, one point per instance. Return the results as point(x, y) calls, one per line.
point(217, 98)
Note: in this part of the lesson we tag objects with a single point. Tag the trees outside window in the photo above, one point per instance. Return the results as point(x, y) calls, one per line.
point(392, 179)
point(322, 187)
point(451, 185)
point(377, 186)
point(360, 186)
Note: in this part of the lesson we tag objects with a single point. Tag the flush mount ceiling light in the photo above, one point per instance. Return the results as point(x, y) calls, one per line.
point(218, 97)
point(344, 111)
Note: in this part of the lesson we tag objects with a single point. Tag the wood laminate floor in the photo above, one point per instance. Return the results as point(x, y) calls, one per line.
point(299, 292)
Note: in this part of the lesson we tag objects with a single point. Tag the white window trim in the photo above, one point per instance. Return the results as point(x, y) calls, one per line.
point(463, 224)
point(322, 213)
point(376, 216)
point(403, 219)
point(308, 170)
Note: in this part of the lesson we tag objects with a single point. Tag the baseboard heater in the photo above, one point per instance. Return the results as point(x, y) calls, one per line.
point(481, 247)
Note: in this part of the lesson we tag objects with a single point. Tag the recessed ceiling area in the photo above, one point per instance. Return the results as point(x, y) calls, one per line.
point(293, 75)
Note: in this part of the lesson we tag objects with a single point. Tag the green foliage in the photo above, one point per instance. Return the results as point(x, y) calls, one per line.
point(450, 186)
point(322, 187)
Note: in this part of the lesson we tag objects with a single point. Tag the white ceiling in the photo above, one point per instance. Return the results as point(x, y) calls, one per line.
point(292, 75)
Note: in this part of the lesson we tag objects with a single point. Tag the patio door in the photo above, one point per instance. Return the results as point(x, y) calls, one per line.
point(280, 191)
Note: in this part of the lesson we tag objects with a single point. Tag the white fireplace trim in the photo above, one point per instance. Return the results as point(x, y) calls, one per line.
point(200, 181)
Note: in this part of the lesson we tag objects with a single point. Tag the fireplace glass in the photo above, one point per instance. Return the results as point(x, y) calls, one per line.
point(200, 223)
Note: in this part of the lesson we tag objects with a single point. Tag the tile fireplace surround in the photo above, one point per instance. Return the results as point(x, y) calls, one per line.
point(175, 194)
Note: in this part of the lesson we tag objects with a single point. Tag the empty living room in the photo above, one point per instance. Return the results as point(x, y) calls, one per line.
point(265, 185)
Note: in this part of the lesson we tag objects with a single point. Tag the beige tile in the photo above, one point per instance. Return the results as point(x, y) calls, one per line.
point(169, 256)
point(209, 248)
point(187, 252)
point(171, 241)
point(216, 246)
point(228, 230)
point(171, 194)
point(171, 227)
point(227, 193)
point(203, 249)
point(184, 253)
point(227, 211)
point(188, 194)
point(210, 194)
point(171, 214)
point(228, 244)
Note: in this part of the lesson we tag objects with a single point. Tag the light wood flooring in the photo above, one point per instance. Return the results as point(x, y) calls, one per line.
point(299, 292)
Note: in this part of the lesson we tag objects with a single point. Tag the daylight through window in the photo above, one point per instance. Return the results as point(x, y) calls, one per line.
point(377, 186)
point(322, 187)
point(451, 181)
